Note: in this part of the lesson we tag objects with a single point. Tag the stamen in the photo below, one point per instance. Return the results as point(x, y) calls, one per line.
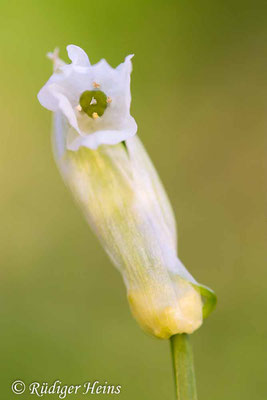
point(95, 115)
point(96, 85)
point(109, 100)
point(79, 108)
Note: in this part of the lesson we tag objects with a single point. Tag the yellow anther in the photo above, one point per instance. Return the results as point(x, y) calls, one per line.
point(79, 108)
point(109, 100)
point(95, 115)
point(96, 85)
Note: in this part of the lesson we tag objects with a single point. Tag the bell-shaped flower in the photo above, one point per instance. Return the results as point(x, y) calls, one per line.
point(112, 178)
point(95, 100)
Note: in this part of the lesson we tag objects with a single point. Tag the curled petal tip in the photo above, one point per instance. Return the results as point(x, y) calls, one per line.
point(78, 55)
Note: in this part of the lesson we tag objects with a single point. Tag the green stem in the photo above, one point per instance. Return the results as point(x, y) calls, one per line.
point(183, 365)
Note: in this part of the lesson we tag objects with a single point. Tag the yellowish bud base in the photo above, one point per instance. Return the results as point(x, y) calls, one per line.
point(183, 314)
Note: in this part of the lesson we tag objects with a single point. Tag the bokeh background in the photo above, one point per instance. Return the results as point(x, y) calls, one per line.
point(199, 95)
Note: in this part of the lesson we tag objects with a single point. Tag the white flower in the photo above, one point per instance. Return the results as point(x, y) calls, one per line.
point(121, 195)
point(94, 99)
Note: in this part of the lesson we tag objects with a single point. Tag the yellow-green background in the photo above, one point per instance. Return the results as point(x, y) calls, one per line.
point(199, 96)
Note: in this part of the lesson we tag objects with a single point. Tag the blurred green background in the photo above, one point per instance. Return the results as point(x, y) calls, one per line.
point(199, 96)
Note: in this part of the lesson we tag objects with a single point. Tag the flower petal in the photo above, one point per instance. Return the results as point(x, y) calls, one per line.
point(78, 56)
point(108, 137)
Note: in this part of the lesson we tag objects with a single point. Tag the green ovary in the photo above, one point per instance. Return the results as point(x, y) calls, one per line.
point(93, 101)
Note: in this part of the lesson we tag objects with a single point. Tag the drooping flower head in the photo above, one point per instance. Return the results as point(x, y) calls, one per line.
point(113, 180)
point(95, 99)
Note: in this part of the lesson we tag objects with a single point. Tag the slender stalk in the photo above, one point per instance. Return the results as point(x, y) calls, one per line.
point(183, 366)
